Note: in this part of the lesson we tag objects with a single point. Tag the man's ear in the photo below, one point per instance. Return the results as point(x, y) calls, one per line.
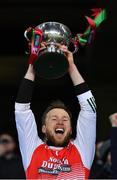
point(44, 129)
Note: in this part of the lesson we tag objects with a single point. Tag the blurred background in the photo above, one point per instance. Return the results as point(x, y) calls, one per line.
point(97, 63)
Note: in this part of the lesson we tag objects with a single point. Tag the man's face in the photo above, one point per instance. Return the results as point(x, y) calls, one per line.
point(57, 128)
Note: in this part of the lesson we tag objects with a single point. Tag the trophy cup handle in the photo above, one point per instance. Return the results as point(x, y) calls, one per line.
point(76, 45)
point(26, 32)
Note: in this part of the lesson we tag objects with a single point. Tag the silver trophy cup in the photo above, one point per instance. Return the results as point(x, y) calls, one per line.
point(51, 62)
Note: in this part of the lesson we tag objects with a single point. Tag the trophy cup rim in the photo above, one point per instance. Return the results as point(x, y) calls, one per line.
point(56, 23)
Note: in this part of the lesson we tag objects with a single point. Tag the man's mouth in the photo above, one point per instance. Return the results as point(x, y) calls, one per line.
point(59, 131)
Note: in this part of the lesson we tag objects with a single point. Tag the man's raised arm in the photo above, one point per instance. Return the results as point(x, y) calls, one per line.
point(86, 124)
point(25, 121)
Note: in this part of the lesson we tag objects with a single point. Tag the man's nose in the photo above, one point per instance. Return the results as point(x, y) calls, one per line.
point(60, 121)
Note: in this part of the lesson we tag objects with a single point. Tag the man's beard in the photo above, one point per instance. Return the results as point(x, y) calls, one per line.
point(51, 141)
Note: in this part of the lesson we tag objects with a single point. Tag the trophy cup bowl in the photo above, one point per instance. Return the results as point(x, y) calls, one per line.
point(51, 62)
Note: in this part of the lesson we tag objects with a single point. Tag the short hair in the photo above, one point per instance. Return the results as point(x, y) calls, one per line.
point(53, 105)
point(8, 133)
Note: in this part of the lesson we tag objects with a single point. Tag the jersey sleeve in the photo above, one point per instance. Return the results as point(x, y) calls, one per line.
point(27, 132)
point(86, 126)
point(25, 122)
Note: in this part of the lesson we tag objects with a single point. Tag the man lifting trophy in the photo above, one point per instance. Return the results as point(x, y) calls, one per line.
point(56, 156)
point(48, 60)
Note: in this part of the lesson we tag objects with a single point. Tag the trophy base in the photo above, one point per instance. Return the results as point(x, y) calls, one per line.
point(51, 65)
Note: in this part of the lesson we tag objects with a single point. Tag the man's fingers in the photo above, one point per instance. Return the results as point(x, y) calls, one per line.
point(64, 48)
point(61, 47)
point(43, 46)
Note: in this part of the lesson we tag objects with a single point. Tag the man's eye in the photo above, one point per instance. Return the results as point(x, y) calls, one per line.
point(65, 119)
point(54, 119)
